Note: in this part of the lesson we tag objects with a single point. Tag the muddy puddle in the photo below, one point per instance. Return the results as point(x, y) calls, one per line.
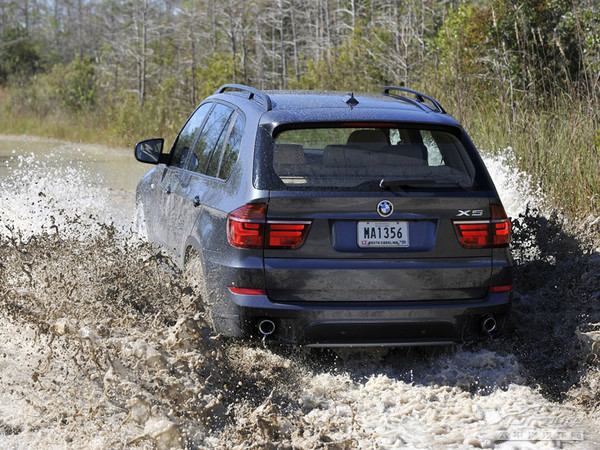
point(102, 344)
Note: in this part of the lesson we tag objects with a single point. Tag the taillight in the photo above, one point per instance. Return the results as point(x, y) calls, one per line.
point(485, 233)
point(473, 234)
point(286, 234)
point(246, 225)
point(247, 228)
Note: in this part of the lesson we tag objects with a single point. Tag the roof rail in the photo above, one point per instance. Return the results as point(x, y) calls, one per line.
point(252, 93)
point(421, 98)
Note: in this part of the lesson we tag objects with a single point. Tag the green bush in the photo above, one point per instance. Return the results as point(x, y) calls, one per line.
point(69, 89)
point(73, 85)
point(19, 57)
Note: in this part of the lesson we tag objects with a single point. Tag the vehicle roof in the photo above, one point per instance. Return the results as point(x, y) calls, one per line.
point(296, 99)
point(297, 106)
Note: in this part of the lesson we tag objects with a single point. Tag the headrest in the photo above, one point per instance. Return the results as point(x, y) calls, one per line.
point(367, 137)
point(288, 154)
point(393, 155)
point(343, 156)
point(415, 151)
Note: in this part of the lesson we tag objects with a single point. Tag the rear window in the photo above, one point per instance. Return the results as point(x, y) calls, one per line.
point(360, 158)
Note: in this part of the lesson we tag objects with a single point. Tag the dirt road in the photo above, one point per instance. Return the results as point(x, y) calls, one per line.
point(102, 345)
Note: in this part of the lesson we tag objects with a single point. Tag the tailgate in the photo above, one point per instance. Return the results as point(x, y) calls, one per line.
point(353, 253)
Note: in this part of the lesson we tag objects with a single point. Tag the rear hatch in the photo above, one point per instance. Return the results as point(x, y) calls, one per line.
point(351, 253)
point(374, 213)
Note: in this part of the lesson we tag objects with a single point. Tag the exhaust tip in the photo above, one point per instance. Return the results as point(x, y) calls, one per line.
point(266, 327)
point(488, 324)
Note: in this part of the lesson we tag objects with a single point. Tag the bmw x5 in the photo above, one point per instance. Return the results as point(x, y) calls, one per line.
point(332, 218)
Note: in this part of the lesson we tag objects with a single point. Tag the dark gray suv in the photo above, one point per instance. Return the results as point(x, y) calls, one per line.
point(332, 219)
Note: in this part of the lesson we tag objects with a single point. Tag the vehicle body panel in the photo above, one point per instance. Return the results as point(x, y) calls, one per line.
point(330, 265)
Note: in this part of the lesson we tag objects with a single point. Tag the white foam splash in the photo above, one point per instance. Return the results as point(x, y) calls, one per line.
point(385, 413)
point(516, 189)
point(41, 191)
point(45, 188)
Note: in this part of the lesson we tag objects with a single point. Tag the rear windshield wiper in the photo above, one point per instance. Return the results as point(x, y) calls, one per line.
point(403, 184)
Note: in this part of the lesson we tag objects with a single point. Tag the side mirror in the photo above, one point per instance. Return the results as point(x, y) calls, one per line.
point(149, 151)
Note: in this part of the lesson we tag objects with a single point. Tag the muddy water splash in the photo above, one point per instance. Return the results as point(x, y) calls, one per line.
point(104, 345)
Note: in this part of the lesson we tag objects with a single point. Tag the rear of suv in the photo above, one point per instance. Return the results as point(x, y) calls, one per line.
point(327, 218)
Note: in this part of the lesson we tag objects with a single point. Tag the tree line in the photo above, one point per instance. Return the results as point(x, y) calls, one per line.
point(180, 50)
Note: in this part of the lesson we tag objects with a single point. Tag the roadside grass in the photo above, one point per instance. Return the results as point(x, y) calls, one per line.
point(56, 126)
point(557, 144)
point(119, 124)
point(556, 147)
point(85, 127)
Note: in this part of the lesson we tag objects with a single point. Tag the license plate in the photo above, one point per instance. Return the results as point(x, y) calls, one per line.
point(382, 234)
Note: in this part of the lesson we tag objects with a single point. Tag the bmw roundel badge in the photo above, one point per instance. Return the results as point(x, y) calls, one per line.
point(385, 208)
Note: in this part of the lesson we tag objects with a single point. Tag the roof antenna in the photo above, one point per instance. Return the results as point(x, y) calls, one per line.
point(350, 100)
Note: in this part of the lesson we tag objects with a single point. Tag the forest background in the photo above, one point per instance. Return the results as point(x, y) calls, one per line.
point(517, 73)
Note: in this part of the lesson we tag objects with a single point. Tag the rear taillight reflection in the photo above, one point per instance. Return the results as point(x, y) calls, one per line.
point(498, 289)
point(247, 291)
point(247, 227)
point(485, 233)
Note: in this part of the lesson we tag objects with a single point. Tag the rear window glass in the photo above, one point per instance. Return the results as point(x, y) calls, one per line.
point(360, 158)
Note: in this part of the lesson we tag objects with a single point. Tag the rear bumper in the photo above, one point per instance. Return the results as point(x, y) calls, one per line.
point(361, 323)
